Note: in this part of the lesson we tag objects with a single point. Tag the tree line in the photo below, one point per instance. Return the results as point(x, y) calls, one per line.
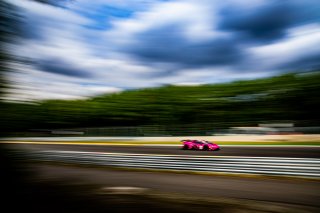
point(291, 97)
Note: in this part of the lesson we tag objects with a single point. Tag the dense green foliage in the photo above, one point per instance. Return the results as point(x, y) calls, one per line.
point(287, 98)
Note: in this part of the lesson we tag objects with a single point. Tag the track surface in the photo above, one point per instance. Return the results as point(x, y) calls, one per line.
point(296, 152)
point(298, 192)
point(286, 191)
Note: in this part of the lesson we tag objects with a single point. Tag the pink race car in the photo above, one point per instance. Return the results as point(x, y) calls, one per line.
point(200, 145)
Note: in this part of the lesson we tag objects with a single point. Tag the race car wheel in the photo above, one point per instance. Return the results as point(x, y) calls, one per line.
point(185, 147)
point(205, 148)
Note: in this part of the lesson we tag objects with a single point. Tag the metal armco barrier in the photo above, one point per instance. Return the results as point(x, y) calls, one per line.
point(298, 167)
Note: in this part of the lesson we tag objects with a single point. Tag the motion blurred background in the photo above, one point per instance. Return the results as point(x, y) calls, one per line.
point(168, 69)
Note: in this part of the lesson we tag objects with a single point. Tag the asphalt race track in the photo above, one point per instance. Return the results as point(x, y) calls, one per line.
point(295, 192)
point(300, 192)
point(252, 151)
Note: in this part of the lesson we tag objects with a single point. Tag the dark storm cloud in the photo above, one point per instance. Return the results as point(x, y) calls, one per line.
point(61, 67)
point(269, 21)
point(266, 23)
point(246, 27)
point(32, 28)
point(168, 44)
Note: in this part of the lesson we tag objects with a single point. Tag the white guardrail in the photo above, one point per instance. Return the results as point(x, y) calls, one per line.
point(299, 167)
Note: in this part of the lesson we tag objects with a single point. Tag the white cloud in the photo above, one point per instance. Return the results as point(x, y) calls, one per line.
point(28, 84)
point(195, 20)
point(89, 6)
point(46, 11)
point(66, 36)
point(210, 75)
point(301, 41)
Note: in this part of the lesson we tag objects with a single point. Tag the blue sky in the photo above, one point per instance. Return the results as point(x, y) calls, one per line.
point(85, 48)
